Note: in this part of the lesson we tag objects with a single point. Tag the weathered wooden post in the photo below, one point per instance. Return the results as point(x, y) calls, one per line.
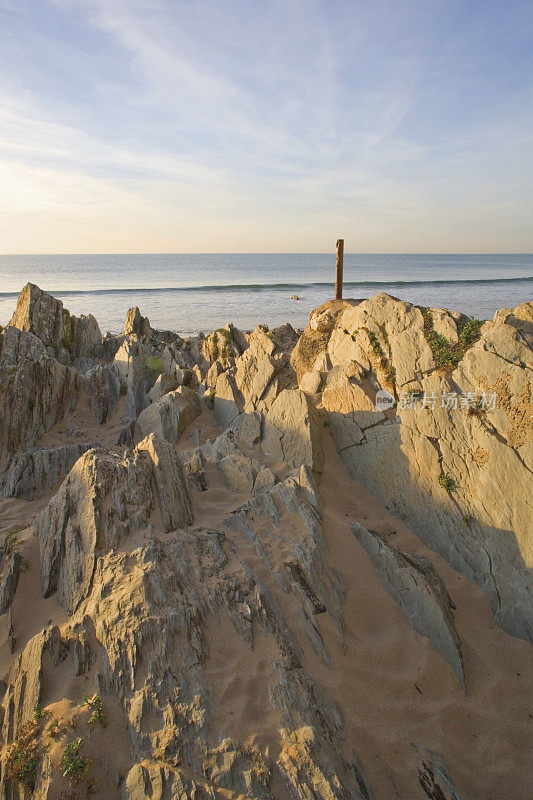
point(338, 270)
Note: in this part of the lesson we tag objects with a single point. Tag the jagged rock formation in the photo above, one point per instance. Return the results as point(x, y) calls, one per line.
point(408, 456)
point(187, 578)
point(169, 416)
point(31, 474)
point(292, 430)
point(71, 529)
point(420, 593)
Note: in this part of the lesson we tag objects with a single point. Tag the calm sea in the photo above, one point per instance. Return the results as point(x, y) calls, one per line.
point(188, 293)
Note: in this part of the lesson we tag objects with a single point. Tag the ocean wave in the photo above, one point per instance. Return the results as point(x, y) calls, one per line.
point(293, 287)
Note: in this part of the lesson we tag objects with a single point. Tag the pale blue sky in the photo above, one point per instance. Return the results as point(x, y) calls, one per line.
point(210, 125)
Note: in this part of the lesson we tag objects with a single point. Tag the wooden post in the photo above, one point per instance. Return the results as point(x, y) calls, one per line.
point(338, 270)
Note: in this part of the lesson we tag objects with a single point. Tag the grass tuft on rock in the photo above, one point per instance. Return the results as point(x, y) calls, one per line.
point(23, 757)
point(75, 767)
point(446, 355)
point(447, 482)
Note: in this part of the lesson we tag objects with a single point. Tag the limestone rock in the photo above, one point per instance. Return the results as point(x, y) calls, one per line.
point(72, 531)
point(434, 777)
point(103, 391)
point(292, 431)
point(264, 369)
point(265, 480)
point(41, 314)
point(44, 316)
point(237, 472)
point(18, 346)
point(36, 396)
point(226, 400)
point(33, 473)
point(10, 567)
point(170, 415)
point(420, 593)
point(480, 526)
point(246, 430)
point(136, 323)
point(310, 382)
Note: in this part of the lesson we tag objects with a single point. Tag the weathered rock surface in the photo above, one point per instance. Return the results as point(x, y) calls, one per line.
point(420, 593)
point(408, 455)
point(292, 431)
point(32, 473)
point(45, 317)
point(103, 391)
point(72, 531)
point(170, 415)
point(33, 398)
point(10, 566)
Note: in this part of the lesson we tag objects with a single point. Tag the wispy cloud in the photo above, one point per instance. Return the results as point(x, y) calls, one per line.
point(149, 124)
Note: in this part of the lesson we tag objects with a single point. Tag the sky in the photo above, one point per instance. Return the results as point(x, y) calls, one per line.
point(274, 126)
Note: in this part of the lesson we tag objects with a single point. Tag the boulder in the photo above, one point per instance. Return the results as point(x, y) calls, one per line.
point(310, 382)
point(237, 472)
point(103, 391)
point(292, 431)
point(136, 323)
point(170, 415)
point(33, 398)
point(44, 316)
point(226, 405)
point(41, 314)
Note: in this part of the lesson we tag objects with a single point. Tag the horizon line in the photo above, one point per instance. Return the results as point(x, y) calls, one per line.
point(280, 252)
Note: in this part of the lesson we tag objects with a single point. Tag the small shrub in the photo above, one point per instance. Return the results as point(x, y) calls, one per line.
point(40, 713)
point(31, 403)
point(446, 355)
point(447, 482)
point(468, 332)
point(467, 519)
point(75, 767)
point(99, 715)
point(476, 409)
point(123, 389)
point(23, 757)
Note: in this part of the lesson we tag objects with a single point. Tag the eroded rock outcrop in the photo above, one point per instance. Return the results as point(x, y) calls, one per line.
point(454, 466)
point(74, 529)
point(169, 416)
point(31, 474)
point(420, 593)
point(292, 431)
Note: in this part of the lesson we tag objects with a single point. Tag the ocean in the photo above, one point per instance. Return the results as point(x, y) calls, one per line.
point(192, 292)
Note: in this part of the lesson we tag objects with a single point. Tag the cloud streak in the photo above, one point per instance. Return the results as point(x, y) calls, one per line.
point(205, 126)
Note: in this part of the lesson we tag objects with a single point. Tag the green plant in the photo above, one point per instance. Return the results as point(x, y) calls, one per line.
point(23, 757)
point(389, 370)
point(12, 542)
point(123, 389)
point(468, 332)
point(75, 767)
point(445, 354)
point(467, 519)
point(31, 403)
point(155, 363)
point(447, 482)
point(99, 715)
point(40, 713)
